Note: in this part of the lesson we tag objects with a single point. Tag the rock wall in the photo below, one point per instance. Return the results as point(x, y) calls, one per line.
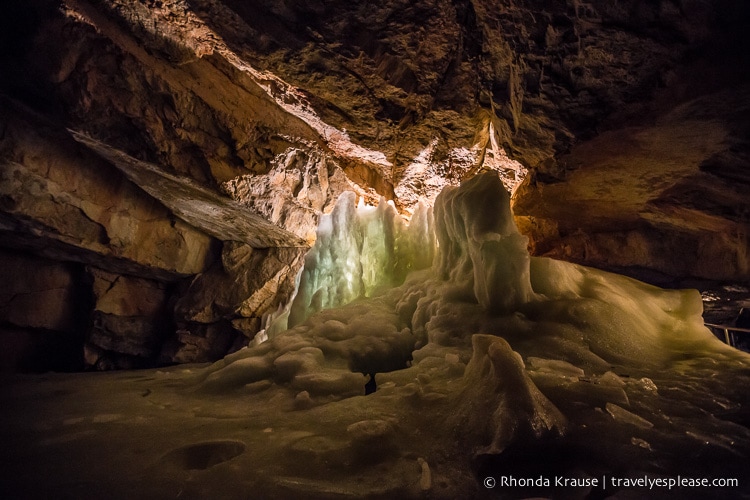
point(42, 303)
point(94, 265)
point(669, 197)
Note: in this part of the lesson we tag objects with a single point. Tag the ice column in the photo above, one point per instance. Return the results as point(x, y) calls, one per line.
point(479, 244)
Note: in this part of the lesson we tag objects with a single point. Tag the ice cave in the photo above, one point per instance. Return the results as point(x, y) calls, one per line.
point(486, 363)
point(405, 250)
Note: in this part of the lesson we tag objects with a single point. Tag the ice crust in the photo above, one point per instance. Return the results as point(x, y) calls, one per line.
point(487, 361)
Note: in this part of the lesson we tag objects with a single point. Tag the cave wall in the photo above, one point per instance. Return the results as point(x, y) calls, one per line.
point(41, 306)
point(669, 196)
point(93, 265)
point(172, 159)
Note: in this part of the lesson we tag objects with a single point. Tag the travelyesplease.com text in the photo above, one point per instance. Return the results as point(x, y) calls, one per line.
point(509, 481)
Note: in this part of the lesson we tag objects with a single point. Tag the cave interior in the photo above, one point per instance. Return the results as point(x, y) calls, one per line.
point(425, 249)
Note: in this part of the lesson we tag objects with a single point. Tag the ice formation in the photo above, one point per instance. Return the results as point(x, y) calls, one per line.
point(480, 244)
point(359, 250)
point(489, 362)
point(497, 350)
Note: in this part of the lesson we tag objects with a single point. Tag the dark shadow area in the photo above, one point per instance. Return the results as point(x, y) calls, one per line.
point(370, 386)
point(202, 456)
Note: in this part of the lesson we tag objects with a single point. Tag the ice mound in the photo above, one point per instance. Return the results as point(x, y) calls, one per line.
point(488, 353)
point(498, 386)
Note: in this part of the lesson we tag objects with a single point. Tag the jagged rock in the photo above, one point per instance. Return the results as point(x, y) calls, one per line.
point(248, 327)
point(198, 343)
point(130, 316)
point(130, 335)
point(67, 204)
point(135, 244)
point(194, 204)
point(97, 358)
point(300, 186)
point(247, 283)
point(127, 296)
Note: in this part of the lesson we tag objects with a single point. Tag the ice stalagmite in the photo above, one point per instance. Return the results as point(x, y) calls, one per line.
point(479, 244)
point(501, 400)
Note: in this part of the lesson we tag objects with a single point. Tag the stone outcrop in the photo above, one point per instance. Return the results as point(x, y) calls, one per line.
point(113, 258)
point(129, 321)
point(233, 295)
point(670, 196)
point(68, 204)
point(300, 186)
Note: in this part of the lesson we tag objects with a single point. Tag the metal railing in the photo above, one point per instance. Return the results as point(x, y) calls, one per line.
point(728, 332)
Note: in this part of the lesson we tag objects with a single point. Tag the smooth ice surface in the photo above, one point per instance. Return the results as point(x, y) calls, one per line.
point(489, 363)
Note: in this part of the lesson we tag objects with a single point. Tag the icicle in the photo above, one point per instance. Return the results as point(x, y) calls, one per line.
point(360, 250)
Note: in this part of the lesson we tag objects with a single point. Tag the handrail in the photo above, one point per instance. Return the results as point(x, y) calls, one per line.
point(727, 329)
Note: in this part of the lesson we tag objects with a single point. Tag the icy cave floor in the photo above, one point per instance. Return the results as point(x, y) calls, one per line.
point(426, 432)
point(488, 364)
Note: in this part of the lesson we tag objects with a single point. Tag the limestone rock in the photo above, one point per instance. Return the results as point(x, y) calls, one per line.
point(247, 283)
point(197, 343)
point(668, 196)
point(38, 293)
point(130, 317)
point(302, 184)
point(196, 205)
point(67, 204)
point(127, 296)
point(130, 335)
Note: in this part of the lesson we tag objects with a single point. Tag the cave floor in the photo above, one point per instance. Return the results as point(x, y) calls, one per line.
point(147, 434)
point(150, 434)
